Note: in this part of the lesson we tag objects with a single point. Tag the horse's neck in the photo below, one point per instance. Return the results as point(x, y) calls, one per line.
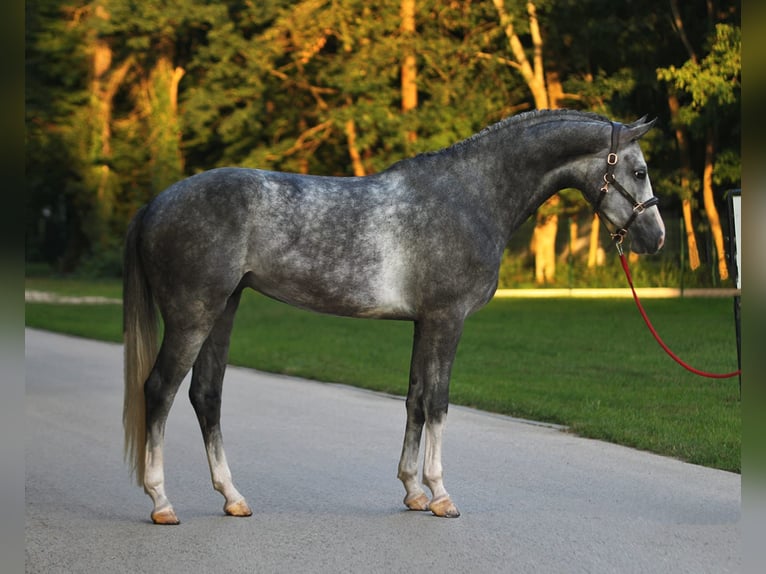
point(529, 163)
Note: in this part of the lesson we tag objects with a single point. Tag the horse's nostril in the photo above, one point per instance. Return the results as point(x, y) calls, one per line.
point(661, 242)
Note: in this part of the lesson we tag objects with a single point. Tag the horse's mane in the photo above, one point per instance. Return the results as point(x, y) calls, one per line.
point(534, 116)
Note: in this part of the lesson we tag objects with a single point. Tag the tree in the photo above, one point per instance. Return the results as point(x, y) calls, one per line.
point(710, 87)
point(55, 89)
point(122, 104)
point(682, 137)
point(117, 116)
point(544, 237)
point(106, 78)
point(159, 39)
point(319, 86)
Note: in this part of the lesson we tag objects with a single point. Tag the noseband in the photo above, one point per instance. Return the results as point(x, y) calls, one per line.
point(609, 179)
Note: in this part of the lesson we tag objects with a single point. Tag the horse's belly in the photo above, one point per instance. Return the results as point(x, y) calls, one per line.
point(347, 301)
point(375, 288)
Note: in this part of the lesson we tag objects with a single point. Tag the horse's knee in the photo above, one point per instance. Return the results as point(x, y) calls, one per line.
point(436, 407)
point(415, 412)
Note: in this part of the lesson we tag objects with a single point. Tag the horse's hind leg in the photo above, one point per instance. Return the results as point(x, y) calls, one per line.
point(176, 356)
point(205, 396)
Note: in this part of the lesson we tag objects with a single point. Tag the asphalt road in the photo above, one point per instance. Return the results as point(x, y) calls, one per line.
point(317, 463)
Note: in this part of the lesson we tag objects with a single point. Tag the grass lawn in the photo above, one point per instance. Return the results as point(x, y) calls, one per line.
point(589, 364)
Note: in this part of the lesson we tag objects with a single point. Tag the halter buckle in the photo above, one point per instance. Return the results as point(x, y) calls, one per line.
point(608, 178)
point(611, 159)
point(619, 235)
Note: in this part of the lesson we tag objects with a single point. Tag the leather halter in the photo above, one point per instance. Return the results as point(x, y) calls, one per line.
point(609, 179)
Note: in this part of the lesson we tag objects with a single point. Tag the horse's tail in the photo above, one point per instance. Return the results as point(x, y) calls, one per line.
point(140, 334)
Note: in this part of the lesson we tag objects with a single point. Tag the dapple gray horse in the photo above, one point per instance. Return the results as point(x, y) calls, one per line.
point(420, 241)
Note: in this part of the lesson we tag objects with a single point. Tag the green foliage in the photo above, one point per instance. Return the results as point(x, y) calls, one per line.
point(715, 80)
point(728, 169)
point(275, 84)
point(103, 261)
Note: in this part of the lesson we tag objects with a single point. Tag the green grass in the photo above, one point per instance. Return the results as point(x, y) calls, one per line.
point(589, 364)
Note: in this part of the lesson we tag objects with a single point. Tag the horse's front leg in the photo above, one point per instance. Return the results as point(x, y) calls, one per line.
point(434, 348)
point(441, 504)
point(415, 498)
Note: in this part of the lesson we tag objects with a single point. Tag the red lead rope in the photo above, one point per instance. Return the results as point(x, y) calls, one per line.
point(656, 336)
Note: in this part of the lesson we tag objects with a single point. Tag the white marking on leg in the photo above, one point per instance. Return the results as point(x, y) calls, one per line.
point(432, 462)
point(221, 475)
point(441, 504)
point(154, 479)
point(408, 471)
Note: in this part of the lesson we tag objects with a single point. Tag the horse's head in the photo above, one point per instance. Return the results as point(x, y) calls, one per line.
point(625, 198)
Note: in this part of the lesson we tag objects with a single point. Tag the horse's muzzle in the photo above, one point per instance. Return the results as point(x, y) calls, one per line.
point(640, 247)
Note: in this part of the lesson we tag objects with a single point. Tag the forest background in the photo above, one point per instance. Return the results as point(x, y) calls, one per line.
point(124, 97)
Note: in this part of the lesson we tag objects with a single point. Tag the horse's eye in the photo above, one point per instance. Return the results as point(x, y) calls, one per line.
point(640, 174)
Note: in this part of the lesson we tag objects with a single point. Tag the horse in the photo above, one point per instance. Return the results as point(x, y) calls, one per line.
point(420, 241)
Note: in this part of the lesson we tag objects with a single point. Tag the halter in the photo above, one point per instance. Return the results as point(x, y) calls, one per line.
point(609, 179)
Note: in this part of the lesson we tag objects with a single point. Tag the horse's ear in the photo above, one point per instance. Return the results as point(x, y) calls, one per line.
point(638, 128)
point(638, 122)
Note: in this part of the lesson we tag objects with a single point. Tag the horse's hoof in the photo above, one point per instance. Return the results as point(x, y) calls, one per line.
point(165, 516)
point(239, 508)
point(416, 501)
point(444, 507)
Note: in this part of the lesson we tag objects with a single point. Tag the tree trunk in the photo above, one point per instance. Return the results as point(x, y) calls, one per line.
point(164, 124)
point(593, 244)
point(574, 231)
point(533, 76)
point(545, 97)
point(353, 151)
point(544, 240)
point(409, 64)
point(691, 238)
point(682, 139)
point(555, 89)
point(104, 85)
point(710, 209)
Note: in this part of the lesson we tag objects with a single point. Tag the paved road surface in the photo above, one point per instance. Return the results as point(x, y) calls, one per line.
point(318, 464)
